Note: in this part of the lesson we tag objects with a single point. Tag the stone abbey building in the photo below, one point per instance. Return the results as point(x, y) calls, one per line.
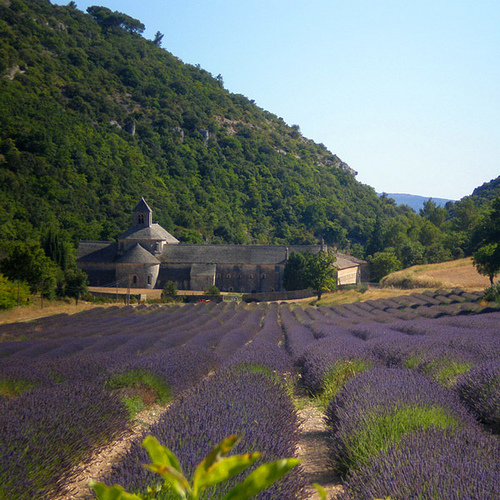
point(147, 256)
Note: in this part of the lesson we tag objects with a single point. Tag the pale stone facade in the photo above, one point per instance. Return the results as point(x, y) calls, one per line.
point(147, 256)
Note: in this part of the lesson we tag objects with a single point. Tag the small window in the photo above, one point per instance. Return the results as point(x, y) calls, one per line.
point(140, 219)
point(250, 276)
point(228, 276)
point(149, 279)
point(230, 288)
point(263, 276)
point(134, 279)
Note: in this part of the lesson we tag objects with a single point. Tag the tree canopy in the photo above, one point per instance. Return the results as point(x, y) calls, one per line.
point(306, 270)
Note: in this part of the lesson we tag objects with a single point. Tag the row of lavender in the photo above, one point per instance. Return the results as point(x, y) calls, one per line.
point(245, 396)
point(55, 398)
point(401, 395)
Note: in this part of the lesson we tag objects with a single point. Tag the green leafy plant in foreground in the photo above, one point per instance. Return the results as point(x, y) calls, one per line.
point(215, 468)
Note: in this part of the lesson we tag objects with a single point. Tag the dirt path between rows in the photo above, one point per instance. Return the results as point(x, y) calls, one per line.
point(313, 452)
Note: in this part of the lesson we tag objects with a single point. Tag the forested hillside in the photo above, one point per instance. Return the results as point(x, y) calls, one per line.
point(94, 116)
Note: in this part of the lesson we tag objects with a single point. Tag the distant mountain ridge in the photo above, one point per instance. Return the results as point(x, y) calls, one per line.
point(414, 201)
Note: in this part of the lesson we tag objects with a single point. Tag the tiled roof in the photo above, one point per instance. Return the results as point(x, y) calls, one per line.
point(242, 254)
point(96, 251)
point(153, 232)
point(142, 206)
point(137, 255)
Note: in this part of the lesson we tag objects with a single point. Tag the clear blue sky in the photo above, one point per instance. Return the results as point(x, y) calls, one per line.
point(406, 92)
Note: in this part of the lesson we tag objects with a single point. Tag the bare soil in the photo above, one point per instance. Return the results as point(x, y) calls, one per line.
point(314, 455)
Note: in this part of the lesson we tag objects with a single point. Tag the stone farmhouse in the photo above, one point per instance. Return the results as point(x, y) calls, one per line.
point(147, 256)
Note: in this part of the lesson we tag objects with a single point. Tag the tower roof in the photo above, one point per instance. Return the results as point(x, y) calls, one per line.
point(138, 255)
point(155, 232)
point(142, 206)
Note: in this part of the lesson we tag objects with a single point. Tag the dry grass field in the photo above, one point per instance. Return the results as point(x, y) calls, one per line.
point(457, 273)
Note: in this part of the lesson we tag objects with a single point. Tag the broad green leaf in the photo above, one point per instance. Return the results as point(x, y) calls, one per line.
point(261, 478)
point(223, 448)
point(161, 454)
point(173, 477)
point(115, 492)
point(321, 491)
point(222, 470)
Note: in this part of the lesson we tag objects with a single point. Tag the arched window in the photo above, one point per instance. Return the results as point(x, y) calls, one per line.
point(134, 279)
point(263, 276)
point(140, 219)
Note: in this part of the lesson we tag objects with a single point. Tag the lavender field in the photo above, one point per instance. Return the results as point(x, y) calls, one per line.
point(410, 389)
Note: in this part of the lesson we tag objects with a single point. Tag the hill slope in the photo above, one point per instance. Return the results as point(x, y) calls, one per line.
point(95, 116)
point(486, 192)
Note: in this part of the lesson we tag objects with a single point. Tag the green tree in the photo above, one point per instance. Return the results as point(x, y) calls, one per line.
point(57, 249)
point(296, 272)
point(109, 19)
point(169, 290)
point(12, 294)
point(158, 38)
point(382, 264)
point(433, 212)
point(212, 290)
point(486, 239)
point(30, 264)
point(322, 273)
point(487, 260)
point(306, 270)
point(75, 284)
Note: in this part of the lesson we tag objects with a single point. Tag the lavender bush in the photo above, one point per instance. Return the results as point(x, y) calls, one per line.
point(376, 408)
point(459, 465)
point(479, 390)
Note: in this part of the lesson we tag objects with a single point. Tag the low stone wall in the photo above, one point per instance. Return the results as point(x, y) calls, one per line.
point(277, 296)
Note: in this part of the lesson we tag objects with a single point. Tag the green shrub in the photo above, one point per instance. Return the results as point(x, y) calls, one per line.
point(169, 290)
point(12, 293)
point(213, 290)
point(492, 293)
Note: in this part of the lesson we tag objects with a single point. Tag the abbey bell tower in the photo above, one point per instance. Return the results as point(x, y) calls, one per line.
point(142, 215)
